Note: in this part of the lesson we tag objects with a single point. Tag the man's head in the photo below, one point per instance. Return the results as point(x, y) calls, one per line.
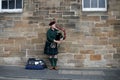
point(52, 24)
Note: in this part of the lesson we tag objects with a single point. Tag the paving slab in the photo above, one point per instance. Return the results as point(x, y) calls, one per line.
point(20, 73)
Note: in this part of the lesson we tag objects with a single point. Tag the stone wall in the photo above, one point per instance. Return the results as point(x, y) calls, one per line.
point(93, 38)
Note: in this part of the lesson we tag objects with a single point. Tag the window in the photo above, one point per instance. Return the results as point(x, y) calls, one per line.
point(94, 5)
point(11, 6)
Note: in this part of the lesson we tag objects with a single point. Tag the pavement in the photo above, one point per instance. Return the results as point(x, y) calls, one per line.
point(20, 73)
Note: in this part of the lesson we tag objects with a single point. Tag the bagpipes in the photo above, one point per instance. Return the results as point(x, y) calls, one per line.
point(59, 34)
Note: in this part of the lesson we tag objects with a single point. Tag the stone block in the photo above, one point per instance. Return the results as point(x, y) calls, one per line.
point(69, 25)
point(87, 51)
point(103, 42)
point(13, 60)
point(116, 56)
point(116, 45)
point(118, 17)
point(54, 15)
point(41, 12)
point(1, 61)
point(118, 50)
point(19, 40)
point(101, 51)
point(113, 22)
point(75, 6)
point(11, 48)
point(66, 56)
point(21, 24)
point(117, 27)
point(101, 25)
point(95, 57)
point(34, 52)
point(116, 33)
point(4, 53)
point(68, 13)
point(71, 17)
point(81, 57)
point(36, 40)
point(63, 49)
point(108, 56)
point(1, 48)
point(90, 18)
point(74, 50)
point(33, 18)
point(104, 17)
point(42, 35)
point(39, 46)
point(6, 41)
point(17, 54)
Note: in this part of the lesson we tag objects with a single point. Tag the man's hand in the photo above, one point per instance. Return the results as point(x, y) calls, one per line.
point(57, 41)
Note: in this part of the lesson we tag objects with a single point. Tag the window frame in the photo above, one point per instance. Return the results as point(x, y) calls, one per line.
point(94, 9)
point(10, 10)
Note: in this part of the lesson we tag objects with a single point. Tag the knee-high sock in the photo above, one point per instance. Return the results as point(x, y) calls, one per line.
point(55, 62)
point(51, 61)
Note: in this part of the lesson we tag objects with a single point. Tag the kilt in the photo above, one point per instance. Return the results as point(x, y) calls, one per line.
point(50, 48)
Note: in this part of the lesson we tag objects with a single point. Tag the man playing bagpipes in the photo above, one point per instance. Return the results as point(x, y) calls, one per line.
point(54, 37)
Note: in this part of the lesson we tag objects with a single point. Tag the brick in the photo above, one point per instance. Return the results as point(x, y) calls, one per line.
point(95, 57)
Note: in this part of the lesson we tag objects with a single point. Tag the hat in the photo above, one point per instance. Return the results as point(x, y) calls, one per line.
point(51, 23)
